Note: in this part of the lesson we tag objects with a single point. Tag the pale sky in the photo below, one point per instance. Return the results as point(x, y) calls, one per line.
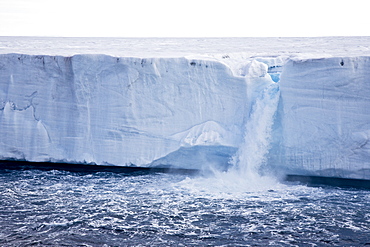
point(184, 18)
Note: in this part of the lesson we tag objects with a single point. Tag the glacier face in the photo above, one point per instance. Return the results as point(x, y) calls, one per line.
point(121, 111)
point(323, 121)
point(188, 112)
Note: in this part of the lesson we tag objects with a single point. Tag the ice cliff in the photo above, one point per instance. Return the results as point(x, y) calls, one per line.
point(188, 112)
point(121, 111)
point(322, 125)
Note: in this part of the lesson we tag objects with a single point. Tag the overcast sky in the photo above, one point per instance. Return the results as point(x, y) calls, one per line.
point(184, 18)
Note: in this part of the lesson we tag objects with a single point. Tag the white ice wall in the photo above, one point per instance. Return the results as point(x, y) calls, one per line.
point(122, 111)
point(323, 122)
point(185, 112)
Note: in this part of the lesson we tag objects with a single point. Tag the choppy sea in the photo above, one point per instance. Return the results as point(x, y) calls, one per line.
point(61, 208)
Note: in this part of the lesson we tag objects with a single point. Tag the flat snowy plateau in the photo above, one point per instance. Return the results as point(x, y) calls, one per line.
point(271, 105)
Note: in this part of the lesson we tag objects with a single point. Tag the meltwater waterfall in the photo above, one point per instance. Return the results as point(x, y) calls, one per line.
point(252, 153)
point(247, 163)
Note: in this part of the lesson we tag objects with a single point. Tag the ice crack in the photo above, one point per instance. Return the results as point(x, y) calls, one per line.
point(14, 107)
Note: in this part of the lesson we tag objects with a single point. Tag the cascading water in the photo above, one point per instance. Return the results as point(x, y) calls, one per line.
point(252, 153)
point(263, 94)
point(245, 173)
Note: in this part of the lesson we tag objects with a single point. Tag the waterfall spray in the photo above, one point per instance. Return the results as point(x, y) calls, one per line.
point(252, 153)
point(245, 175)
point(263, 100)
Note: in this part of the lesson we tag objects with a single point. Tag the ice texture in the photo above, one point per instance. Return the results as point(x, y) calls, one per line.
point(121, 111)
point(281, 113)
point(323, 121)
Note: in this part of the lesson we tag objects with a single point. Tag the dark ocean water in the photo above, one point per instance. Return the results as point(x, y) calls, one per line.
point(60, 208)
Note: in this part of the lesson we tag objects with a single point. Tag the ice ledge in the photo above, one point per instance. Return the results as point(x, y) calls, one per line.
point(198, 157)
point(206, 134)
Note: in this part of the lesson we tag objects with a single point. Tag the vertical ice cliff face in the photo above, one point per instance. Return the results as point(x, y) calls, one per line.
point(323, 121)
point(122, 111)
point(189, 113)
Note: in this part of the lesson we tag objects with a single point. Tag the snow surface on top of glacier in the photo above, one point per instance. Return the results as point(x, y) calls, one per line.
point(180, 47)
